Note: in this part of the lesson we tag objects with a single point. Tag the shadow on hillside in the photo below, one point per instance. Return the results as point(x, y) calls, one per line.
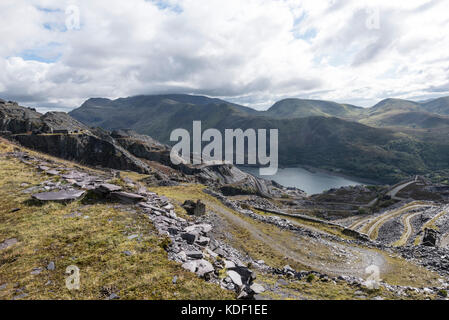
point(33, 203)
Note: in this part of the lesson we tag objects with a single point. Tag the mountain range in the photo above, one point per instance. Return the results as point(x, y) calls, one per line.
point(387, 142)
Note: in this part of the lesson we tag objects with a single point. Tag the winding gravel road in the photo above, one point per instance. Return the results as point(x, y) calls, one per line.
point(408, 229)
point(393, 192)
point(329, 257)
point(372, 232)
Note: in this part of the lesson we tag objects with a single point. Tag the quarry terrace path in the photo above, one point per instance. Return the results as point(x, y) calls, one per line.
point(337, 258)
point(392, 193)
point(408, 229)
point(380, 221)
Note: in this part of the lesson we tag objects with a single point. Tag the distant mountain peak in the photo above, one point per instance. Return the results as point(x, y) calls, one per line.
point(302, 108)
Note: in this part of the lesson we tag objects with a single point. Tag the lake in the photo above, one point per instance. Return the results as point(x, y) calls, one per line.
point(308, 181)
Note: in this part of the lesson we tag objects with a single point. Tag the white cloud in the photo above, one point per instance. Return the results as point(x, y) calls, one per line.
point(253, 52)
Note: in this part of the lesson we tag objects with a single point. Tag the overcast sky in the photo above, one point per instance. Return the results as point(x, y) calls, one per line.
point(55, 54)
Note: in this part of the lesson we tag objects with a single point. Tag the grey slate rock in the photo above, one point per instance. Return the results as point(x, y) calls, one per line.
point(8, 243)
point(173, 231)
point(75, 175)
point(235, 277)
point(190, 266)
point(194, 208)
point(204, 228)
point(247, 276)
point(113, 296)
point(51, 266)
point(20, 296)
point(182, 256)
point(229, 264)
point(200, 267)
point(63, 195)
point(36, 271)
point(257, 288)
point(204, 267)
point(220, 252)
point(127, 197)
point(73, 215)
point(189, 237)
point(108, 188)
point(194, 254)
point(203, 241)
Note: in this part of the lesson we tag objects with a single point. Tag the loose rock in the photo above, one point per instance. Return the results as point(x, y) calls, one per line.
point(64, 195)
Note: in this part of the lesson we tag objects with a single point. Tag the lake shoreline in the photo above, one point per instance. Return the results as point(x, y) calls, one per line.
point(310, 179)
point(365, 181)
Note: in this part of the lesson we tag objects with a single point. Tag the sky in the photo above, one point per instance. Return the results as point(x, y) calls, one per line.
point(56, 54)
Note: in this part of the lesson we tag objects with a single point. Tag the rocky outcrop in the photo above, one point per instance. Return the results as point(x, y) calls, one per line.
point(17, 119)
point(57, 134)
point(142, 146)
point(194, 208)
point(84, 148)
point(228, 177)
point(61, 122)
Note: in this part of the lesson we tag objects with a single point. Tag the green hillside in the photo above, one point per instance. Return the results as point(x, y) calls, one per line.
point(383, 154)
point(298, 108)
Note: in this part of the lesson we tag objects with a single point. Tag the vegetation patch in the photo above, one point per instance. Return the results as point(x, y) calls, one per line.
point(92, 237)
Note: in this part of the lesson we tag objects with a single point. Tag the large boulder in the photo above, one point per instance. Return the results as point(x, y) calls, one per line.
point(246, 275)
point(199, 228)
point(201, 267)
point(60, 196)
point(235, 278)
point(127, 197)
point(108, 188)
point(195, 254)
point(194, 208)
point(17, 119)
point(189, 237)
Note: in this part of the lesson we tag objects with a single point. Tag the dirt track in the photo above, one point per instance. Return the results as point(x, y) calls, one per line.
point(325, 256)
point(408, 229)
point(372, 232)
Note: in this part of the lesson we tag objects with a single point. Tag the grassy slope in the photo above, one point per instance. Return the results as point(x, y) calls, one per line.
point(95, 245)
point(408, 119)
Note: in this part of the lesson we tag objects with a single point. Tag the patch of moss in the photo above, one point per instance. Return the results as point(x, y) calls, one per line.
point(310, 278)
